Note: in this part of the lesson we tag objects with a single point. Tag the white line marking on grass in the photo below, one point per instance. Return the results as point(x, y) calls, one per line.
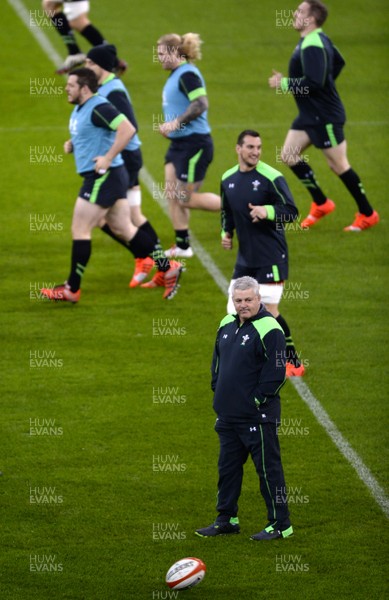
point(35, 30)
point(209, 265)
point(203, 256)
point(341, 443)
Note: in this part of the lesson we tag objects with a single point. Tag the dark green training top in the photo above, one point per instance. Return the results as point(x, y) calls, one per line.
point(313, 68)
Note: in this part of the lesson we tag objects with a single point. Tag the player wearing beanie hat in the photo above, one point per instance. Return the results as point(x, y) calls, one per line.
point(104, 56)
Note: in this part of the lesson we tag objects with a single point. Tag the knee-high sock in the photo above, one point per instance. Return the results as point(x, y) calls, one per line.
point(93, 35)
point(307, 177)
point(61, 24)
point(81, 252)
point(355, 187)
point(291, 354)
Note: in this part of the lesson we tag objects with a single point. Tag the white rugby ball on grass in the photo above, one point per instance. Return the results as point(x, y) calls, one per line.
point(185, 573)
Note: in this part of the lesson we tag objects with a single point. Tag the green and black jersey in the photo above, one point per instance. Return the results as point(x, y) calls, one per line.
point(313, 68)
point(261, 244)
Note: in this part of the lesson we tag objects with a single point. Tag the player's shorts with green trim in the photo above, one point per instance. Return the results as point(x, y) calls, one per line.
point(105, 189)
point(191, 156)
point(267, 274)
point(322, 135)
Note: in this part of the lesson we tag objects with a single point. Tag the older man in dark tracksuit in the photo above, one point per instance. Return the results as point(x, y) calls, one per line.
point(248, 370)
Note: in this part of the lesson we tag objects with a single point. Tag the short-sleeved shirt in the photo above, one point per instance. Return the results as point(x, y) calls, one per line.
point(92, 128)
point(184, 85)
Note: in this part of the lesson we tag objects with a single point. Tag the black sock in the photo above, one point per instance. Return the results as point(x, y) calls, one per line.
point(61, 24)
point(182, 238)
point(307, 177)
point(81, 252)
point(142, 245)
point(355, 187)
point(149, 229)
point(291, 354)
point(93, 35)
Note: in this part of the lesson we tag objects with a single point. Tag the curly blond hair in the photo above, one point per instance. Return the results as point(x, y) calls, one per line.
point(187, 45)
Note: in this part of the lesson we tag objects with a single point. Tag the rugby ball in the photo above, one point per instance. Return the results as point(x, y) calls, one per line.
point(185, 573)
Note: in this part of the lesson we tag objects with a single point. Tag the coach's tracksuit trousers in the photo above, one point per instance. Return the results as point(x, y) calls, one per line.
point(260, 440)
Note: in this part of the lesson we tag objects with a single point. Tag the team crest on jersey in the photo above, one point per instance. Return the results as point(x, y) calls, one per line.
point(73, 126)
point(256, 185)
point(245, 338)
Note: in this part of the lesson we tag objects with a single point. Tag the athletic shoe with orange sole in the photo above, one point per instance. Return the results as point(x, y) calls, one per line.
point(317, 212)
point(293, 371)
point(168, 280)
point(362, 222)
point(61, 293)
point(143, 267)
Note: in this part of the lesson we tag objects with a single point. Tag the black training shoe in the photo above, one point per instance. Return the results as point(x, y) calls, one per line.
point(270, 533)
point(220, 528)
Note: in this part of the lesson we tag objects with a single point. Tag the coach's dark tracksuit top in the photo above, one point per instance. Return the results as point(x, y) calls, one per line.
point(248, 368)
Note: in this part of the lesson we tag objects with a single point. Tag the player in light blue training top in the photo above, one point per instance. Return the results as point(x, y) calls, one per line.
point(99, 133)
point(185, 123)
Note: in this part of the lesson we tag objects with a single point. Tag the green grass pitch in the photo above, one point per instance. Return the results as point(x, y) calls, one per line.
point(108, 455)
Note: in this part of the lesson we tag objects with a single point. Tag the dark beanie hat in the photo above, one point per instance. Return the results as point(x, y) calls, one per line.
point(104, 56)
